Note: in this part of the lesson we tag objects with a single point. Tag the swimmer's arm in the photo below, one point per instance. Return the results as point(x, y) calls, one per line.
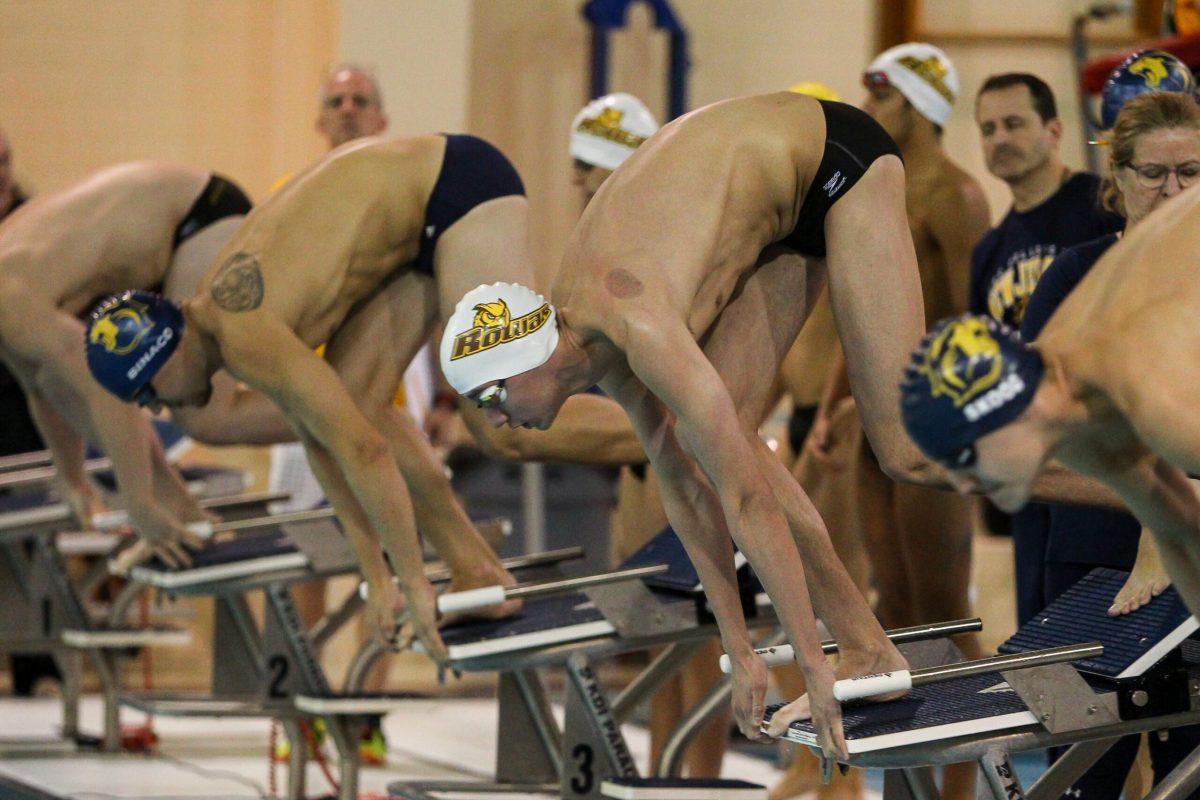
point(590, 429)
point(63, 388)
point(692, 509)
point(1058, 484)
point(268, 357)
point(673, 368)
point(235, 415)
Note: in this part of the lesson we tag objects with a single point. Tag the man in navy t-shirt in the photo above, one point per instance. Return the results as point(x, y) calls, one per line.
point(1052, 210)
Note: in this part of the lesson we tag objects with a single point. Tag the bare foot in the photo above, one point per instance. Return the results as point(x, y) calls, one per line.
point(491, 575)
point(850, 664)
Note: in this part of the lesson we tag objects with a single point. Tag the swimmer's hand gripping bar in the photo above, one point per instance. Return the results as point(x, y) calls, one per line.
point(204, 529)
point(783, 654)
point(489, 596)
point(903, 680)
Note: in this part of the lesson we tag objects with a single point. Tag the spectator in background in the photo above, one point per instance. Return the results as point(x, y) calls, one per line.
point(1052, 209)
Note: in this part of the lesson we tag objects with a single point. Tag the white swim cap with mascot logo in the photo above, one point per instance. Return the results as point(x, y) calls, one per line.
point(497, 330)
point(610, 128)
point(920, 72)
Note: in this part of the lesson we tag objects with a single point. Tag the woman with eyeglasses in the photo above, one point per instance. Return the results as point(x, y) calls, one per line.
point(1154, 155)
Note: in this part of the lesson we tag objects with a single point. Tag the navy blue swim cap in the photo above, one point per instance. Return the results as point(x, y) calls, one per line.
point(969, 376)
point(1144, 71)
point(129, 337)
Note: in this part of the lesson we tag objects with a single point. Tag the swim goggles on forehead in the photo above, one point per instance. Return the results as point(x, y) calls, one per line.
point(493, 396)
point(876, 80)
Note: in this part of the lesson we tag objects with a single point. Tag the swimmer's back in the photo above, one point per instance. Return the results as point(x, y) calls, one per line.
point(114, 228)
point(332, 234)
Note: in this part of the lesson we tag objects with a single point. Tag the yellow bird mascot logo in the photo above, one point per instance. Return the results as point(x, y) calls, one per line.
point(121, 331)
point(968, 340)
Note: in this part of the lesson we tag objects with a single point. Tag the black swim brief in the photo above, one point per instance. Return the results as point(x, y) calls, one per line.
point(473, 172)
point(853, 141)
point(220, 198)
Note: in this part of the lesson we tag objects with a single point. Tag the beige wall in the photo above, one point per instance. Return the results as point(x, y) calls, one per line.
point(529, 76)
point(984, 38)
point(419, 51)
point(229, 85)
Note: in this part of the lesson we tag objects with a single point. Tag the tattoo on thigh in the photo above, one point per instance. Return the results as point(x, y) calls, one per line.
point(623, 284)
point(239, 284)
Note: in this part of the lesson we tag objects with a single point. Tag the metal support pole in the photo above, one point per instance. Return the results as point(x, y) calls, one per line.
point(1181, 781)
point(533, 506)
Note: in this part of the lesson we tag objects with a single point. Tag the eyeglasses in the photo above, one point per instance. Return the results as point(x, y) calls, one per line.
point(493, 396)
point(1154, 176)
point(963, 459)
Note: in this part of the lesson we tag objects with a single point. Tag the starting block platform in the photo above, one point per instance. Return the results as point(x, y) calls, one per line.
point(653, 600)
point(1146, 679)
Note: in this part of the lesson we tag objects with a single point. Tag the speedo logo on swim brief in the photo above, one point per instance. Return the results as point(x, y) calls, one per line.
point(146, 357)
point(932, 71)
point(607, 125)
point(120, 331)
point(493, 325)
point(1009, 388)
point(834, 184)
point(963, 340)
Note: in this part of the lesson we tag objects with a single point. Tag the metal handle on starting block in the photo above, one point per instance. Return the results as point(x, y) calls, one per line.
point(489, 596)
point(107, 520)
point(783, 654)
point(902, 680)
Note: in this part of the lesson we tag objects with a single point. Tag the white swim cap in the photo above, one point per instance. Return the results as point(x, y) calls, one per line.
point(610, 128)
point(497, 330)
point(923, 74)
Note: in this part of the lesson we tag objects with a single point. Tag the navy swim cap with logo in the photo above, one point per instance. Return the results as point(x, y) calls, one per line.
point(969, 377)
point(129, 337)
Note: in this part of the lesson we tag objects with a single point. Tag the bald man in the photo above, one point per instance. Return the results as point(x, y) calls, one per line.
point(351, 106)
point(144, 225)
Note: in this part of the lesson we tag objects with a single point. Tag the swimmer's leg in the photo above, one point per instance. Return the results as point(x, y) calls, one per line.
point(370, 352)
point(876, 294)
point(746, 346)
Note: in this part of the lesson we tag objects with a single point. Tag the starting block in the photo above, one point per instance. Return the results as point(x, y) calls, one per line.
point(1145, 678)
point(653, 601)
point(43, 611)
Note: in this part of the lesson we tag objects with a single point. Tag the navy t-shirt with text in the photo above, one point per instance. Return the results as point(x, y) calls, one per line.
point(1090, 535)
point(1009, 260)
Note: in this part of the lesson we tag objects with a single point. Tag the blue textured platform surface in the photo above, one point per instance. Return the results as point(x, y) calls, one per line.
point(934, 712)
point(244, 547)
point(25, 500)
point(1132, 643)
point(249, 553)
point(666, 548)
point(542, 621)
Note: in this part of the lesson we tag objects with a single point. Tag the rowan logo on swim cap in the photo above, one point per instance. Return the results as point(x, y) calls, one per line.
point(969, 377)
point(922, 73)
point(609, 129)
point(497, 331)
point(129, 337)
point(1144, 71)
